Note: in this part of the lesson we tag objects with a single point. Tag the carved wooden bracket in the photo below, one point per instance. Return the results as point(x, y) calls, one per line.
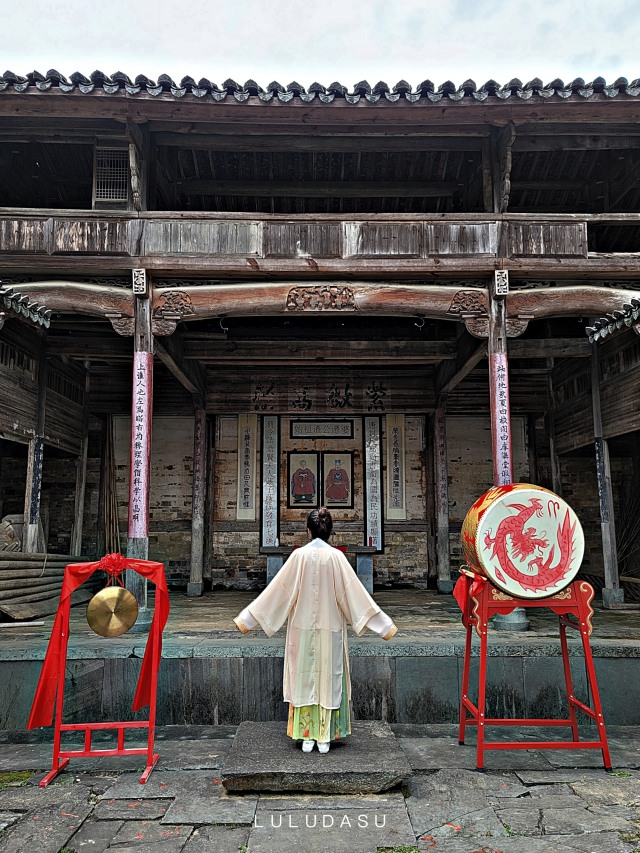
point(121, 323)
point(171, 307)
point(479, 327)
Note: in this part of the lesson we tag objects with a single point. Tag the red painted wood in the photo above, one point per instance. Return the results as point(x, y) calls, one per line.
point(479, 600)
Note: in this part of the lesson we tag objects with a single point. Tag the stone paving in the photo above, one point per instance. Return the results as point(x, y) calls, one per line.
point(553, 801)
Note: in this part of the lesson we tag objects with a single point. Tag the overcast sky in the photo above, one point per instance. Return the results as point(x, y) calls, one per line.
point(327, 40)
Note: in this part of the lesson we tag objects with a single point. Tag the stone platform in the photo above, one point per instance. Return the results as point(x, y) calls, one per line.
point(213, 675)
point(263, 758)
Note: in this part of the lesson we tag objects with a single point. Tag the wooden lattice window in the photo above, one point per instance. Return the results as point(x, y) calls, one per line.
point(111, 176)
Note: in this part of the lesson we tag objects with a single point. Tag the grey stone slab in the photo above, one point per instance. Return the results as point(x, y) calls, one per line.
point(427, 689)
point(521, 819)
point(8, 818)
point(94, 835)
point(373, 688)
point(505, 696)
point(437, 754)
point(545, 689)
point(61, 792)
point(192, 755)
point(498, 845)
point(208, 802)
point(335, 829)
point(162, 784)
point(25, 756)
point(305, 802)
point(576, 821)
point(599, 842)
point(450, 802)
point(262, 689)
point(217, 839)
point(610, 790)
point(574, 757)
point(200, 691)
point(110, 809)
point(171, 846)
point(45, 829)
point(561, 774)
point(143, 832)
point(264, 758)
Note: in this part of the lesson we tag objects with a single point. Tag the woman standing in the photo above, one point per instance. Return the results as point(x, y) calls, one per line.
point(318, 591)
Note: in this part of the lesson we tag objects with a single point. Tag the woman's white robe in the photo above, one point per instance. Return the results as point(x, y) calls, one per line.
point(319, 592)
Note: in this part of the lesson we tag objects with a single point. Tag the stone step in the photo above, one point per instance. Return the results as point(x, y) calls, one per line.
point(263, 758)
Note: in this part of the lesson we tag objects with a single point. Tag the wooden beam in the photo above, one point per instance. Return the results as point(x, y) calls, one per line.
point(219, 139)
point(169, 351)
point(319, 189)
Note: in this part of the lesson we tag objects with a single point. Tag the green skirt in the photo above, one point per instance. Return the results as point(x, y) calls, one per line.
point(314, 722)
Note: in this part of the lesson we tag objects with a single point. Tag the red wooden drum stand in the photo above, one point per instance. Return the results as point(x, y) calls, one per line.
point(479, 600)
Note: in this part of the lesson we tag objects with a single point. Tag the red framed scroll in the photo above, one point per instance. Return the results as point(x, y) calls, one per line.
point(49, 695)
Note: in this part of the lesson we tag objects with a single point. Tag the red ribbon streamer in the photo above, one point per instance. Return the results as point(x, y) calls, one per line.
point(74, 576)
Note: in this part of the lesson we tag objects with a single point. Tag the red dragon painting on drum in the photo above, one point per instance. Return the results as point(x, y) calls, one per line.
point(525, 539)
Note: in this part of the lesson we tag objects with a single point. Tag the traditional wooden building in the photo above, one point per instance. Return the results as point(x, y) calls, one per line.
point(266, 298)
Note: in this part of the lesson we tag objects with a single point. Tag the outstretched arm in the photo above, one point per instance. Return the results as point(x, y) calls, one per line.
point(245, 621)
point(382, 625)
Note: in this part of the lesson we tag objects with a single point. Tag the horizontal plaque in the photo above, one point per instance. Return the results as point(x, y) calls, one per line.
point(322, 429)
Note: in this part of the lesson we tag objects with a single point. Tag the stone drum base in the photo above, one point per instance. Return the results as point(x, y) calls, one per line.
point(263, 758)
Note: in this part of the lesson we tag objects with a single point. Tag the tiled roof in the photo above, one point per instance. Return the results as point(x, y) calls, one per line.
point(19, 303)
point(628, 316)
point(325, 94)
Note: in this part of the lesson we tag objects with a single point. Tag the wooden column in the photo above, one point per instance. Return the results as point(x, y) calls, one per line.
point(140, 458)
point(501, 416)
point(612, 593)
point(443, 560)
point(199, 489)
point(499, 392)
point(81, 473)
point(556, 476)
point(35, 458)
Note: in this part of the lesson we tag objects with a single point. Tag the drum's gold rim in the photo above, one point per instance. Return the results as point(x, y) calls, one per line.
point(112, 611)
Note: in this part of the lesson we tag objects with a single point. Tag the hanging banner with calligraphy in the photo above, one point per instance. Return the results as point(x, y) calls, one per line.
point(373, 484)
point(140, 445)
point(321, 429)
point(247, 432)
point(500, 419)
point(270, 504)
point(396, 497)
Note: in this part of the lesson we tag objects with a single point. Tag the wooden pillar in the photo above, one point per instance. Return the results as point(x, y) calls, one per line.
point(81, 473)
point(35, 458)
point(499, 391)
point(140, 458)
point(556, 476)
point(199, 489)
point(612, 593)
point(501, 415)
point(445, 584)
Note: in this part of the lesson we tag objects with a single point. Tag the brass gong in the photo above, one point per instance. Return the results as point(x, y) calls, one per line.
point(112, 611)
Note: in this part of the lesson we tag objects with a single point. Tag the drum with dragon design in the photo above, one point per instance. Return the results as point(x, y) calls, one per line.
point(525, 539)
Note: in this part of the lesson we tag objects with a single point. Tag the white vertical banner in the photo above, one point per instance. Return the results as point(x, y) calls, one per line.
point(270, 507)
point(373, 483)
point(396, 492)
point(247, 432)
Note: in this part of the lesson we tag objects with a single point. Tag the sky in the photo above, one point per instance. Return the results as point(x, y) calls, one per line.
point(331, 40)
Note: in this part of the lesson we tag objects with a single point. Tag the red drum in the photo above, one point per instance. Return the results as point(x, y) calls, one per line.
point(525, 539)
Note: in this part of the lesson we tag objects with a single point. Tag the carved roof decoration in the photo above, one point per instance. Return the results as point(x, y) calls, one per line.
point(230, 89)
point(627, 317)
point(20, 303)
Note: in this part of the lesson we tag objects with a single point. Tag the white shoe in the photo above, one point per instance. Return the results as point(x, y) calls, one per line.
point(307, 745)
point(323, 747)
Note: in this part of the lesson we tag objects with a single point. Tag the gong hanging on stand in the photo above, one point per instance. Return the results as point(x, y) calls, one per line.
point(112, 611)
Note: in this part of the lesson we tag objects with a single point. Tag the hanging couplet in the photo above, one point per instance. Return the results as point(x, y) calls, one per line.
point(373, 483)
point(525, 539)
point(270, 504)
point(246, 503)
point(396, 498)
point(501, 413)
point(140, 445)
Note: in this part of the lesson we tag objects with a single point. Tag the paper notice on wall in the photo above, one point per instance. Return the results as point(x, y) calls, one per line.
point(396, 492)
point(247, 431)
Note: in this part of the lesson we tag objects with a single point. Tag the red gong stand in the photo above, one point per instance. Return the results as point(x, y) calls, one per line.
point(52, 678)
point(479, 600)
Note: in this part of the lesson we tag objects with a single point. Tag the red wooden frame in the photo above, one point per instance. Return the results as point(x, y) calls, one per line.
point(479, 600)
point(61, 757)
